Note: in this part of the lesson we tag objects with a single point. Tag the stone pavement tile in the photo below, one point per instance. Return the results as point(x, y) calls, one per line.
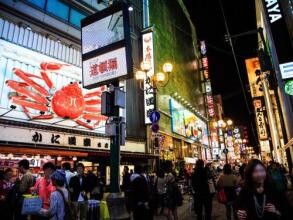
point(185, 212)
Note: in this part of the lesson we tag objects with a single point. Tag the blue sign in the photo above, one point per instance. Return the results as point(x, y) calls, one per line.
point(155, 128)
point(154, 116)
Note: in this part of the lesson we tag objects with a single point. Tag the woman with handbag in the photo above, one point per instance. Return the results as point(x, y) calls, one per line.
point(227, 185)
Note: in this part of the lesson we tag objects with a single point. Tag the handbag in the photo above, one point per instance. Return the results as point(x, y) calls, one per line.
point(221, 196)
point(212, 188)
point(104, 211)
point(31, 206)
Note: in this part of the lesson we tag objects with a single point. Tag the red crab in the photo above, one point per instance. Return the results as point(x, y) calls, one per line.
point(68, 102)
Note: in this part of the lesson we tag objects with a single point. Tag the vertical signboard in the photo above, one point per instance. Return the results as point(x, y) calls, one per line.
point(260, 119)
point(148, 55)
point(254, 73)
point(281, 37)
point(206, 84)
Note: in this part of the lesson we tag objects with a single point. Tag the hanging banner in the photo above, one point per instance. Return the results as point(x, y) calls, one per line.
point(148, 55)
point(254, 73)
point(259, 109)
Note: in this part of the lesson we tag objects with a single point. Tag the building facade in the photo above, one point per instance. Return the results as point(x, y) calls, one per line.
point(277, 26)
point(184, 131)
point(33, 36)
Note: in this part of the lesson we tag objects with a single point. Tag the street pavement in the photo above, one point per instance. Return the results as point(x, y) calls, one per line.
point(186, 213)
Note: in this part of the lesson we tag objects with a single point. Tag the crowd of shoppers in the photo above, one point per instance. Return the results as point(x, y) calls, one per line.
point(62, 192)
point(252, 191)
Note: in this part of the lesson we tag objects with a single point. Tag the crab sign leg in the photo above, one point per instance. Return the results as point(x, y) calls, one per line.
point(92, 109)
point(93, 102)
point(84, 124)
point(25, 77)
point(50, 116)
point(20, 101)
point(52, 66)
point(19, 87)
point(47, 80)
point(93, 117)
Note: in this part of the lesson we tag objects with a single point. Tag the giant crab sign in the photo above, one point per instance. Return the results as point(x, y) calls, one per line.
point(68, 102)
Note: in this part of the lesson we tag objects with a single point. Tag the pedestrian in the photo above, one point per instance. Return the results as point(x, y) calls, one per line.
point(24, 185)
point(202, 195)
point(161, 190)
point(259, 200)
point(139, 195)
point(6, 185)
point(228, 182)
point(67, 168)
point(44, 186)
point(173, 197)
point(125, 179)
point(77, 188)
point(278, 177)
point(58, 198)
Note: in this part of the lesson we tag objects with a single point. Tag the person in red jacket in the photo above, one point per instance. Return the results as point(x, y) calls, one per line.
point(44, 186)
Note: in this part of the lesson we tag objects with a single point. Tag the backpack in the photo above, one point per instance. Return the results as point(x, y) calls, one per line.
point(71, 212)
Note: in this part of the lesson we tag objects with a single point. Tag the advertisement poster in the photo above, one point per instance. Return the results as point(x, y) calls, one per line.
point(187, 124)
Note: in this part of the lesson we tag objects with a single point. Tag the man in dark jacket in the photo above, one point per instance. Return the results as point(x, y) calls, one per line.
point(202, 196)
point(77, 187)
point(139, 195)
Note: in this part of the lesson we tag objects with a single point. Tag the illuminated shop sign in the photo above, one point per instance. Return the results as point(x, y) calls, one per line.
point(206, 84)
point(106, 47)
point(46, 91)
point(281, 38)
point(148, 55)
point(187, 124)
point(260, 119)
point(289, 87)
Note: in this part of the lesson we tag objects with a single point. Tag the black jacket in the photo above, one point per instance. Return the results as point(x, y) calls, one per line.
point(77, 188)
point(245, 201)
point(200, 182)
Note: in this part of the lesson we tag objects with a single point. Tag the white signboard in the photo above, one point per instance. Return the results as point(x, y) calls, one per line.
point(148, 55)
point(50, 138)
point(104, 67)
point(286, 70)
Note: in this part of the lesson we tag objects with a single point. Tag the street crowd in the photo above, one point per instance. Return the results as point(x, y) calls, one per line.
point(250, 191)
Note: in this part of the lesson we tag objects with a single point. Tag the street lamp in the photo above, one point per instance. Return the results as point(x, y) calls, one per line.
point(224, 125)
point(153, 81)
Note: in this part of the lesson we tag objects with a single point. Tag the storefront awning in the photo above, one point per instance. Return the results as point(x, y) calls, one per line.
point(35, 151)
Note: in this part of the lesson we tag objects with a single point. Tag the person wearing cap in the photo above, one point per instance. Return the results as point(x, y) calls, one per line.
point(56, 210)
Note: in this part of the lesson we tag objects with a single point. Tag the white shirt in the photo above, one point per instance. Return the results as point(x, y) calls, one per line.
point(80, 197)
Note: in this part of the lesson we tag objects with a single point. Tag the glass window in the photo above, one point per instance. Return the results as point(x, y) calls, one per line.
point(38, 3)
point(58, 8)
point(75, 17)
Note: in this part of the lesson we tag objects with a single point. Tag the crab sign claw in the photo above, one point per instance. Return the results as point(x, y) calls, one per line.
point(52, 66)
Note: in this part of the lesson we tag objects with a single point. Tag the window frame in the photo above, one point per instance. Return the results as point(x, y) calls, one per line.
point(67, 21)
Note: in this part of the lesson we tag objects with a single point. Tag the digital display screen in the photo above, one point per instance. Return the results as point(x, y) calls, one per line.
point(103, 32)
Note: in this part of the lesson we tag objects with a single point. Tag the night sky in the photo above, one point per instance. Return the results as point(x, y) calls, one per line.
point(209, 23)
